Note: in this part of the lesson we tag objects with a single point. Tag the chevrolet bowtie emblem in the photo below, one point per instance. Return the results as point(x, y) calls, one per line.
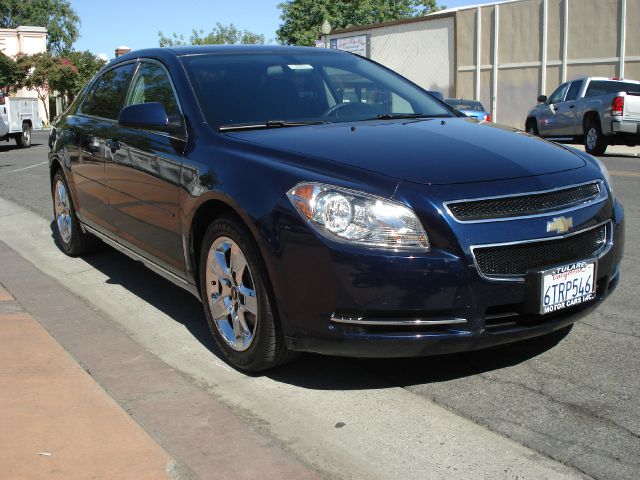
point(560, 225)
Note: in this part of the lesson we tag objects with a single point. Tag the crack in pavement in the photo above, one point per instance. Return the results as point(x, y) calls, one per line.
point(579, 409)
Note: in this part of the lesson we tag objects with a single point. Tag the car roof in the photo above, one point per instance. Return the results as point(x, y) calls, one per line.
point(217, 49)
point(607, 79)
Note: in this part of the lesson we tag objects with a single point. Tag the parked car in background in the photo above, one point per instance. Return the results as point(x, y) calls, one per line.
point(19, 116)
point(595, 111)
point(471, 108)
point(306, 220)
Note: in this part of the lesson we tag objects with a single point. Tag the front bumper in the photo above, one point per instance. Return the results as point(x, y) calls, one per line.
point(339, 300)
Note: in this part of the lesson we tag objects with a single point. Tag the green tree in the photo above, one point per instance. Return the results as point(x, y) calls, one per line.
point(219, 35)
point(45, 74)
point(302, 19)
point(11, 74)
point(60, 20)
point(87, 65)
point(39, 67)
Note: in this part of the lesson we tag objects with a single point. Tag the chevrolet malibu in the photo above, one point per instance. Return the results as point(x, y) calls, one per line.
point(317, 201)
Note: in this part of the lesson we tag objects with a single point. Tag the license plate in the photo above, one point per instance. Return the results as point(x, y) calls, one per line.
point(566, 286)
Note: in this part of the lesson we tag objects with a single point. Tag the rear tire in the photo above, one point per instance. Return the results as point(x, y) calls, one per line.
point(237, 300)
point(67, 231)
point(595, 143)
point(24, 139)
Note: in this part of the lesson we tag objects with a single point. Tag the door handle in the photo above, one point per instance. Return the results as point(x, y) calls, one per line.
point(113, 145)
point(572, 106)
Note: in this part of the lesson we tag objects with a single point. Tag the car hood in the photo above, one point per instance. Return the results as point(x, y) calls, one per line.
point(430, 151)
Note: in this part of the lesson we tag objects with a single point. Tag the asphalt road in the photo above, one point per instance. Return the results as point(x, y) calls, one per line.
point(572, 397)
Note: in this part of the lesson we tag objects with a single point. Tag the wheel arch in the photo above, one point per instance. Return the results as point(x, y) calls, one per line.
point(530, 119)
point(592, 114)
point(54, 165)
point(206, 213)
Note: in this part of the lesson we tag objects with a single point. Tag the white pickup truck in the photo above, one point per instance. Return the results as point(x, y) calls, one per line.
point(593, 110)
point(19, 117)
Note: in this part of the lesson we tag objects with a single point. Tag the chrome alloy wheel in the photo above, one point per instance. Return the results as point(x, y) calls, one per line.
point(26, 134)
point(592, 138)
point(231, 294)
point(63, 211)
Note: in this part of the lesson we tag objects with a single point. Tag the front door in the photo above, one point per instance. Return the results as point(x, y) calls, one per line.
point(143, 176)
point(550, 124)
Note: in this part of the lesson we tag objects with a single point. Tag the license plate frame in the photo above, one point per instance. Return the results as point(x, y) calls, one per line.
point(567, 285)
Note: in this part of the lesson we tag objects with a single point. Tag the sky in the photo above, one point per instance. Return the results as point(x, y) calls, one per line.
point(106, 25)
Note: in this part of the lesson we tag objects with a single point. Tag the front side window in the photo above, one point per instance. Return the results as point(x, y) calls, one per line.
point(558, 95)
point(302, 87)
point(104, 99)
point(151, 84)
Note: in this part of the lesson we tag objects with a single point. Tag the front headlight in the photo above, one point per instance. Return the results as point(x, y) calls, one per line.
point(358, 218)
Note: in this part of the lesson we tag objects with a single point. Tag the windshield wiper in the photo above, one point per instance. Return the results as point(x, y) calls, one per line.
point(395, 116)
point(268, 124)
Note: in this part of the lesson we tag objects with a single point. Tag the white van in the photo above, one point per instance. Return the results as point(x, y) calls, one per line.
point(19, 117)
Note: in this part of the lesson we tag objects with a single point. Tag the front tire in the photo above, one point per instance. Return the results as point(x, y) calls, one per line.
point(532, 127)
point(67, 231)
point(595, 143)
point(235, 293)
point(24, 139)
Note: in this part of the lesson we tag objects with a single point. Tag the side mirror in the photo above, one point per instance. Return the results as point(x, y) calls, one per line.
point(542, 99)
point(149, 116)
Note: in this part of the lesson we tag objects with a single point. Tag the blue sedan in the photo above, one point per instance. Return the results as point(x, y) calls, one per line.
point(471, 108)
point(316, 201)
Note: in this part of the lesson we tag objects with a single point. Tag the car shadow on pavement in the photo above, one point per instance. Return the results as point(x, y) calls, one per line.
point(171, 300)
point(620, 155)
point(8, 147)
point(335, 373)
point(312, 371)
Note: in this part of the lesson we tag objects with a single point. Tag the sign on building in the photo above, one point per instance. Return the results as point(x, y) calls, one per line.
point(358, 44)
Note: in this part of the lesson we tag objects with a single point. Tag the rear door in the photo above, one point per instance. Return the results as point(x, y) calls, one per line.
point(143, 175)
point(87, 132)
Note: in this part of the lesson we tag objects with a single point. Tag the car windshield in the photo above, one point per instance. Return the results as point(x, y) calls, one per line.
point(460, 104)
point(282, 89)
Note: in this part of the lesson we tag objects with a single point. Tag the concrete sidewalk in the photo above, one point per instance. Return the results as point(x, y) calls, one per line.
point(71, 412)
point(56, 421)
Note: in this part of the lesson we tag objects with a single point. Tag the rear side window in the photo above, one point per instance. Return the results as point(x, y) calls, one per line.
point(105, 96)
point(602, 87)
point(151, 84)
point(572, 94)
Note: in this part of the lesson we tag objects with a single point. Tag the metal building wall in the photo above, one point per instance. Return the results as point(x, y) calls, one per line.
point(540, 44)
point(423, 51)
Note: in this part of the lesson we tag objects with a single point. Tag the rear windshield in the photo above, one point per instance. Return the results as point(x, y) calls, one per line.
point(247, 88)
point(602, 87)
point(460, 104)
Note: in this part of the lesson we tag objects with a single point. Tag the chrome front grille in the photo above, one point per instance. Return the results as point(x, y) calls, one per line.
point(514, 260)
point(530, 204)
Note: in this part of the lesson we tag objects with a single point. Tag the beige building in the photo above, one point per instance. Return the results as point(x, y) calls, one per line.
point(26, 41)
point(507, 53)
